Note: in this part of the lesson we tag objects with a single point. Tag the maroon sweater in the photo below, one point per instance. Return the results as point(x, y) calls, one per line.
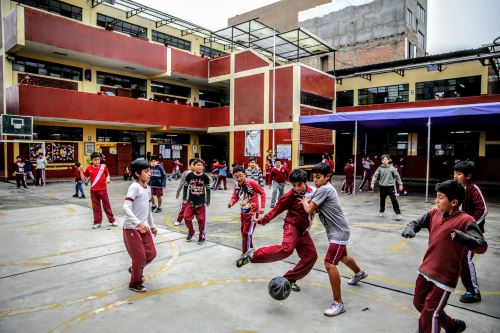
point(443, 256)
point(281, 175)
point(475, 205)
point(295, 215)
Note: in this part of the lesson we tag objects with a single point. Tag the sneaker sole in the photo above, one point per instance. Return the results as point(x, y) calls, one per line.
point(362, 278)
point(138, 290)
point(334, 315)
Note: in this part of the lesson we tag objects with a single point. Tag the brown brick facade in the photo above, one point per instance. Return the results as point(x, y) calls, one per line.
point(314, 135)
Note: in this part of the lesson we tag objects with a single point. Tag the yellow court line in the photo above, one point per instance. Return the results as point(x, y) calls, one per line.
point(397, 248)
point(100, 294)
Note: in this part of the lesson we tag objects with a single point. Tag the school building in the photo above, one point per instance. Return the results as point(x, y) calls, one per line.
point(125, 80)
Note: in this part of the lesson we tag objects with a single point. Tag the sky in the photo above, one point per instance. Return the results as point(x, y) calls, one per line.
point(452, 24)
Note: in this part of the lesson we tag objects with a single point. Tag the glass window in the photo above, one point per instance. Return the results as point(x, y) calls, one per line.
point(421, 40)
point(47, 68)
point(110, 135)
point(456, 87)
point(170, 138)
point(138, 86)
point(410, 50)
point(345, 98)
point(316, 101)
point(169, 40)
point(409, 18)
point(210, 52)
point(381, 95)
point(55, 6)
point(122, 26)
point(41, 132)
point(170, 89)
point(421, 13)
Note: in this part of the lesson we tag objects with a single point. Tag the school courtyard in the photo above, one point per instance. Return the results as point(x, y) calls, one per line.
point(57, 274)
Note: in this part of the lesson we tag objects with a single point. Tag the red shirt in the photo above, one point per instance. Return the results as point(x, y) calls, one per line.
point(349, 171)
point(92, 172)
point(248, 195)
point(279, 176)
point(76, 174)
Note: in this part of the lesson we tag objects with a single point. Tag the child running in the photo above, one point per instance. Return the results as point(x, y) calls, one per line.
point(247, 192)
point(99, 178)
point(386, 176)
point(474, 205)
point(196, 195)
point(138, 224)
point(295, 232)
point(451, 234)
point(326, 201)
point(180, 216)
point(157, 182)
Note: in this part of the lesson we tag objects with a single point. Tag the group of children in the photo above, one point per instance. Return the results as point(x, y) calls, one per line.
point(455, 227)
point(23, 169)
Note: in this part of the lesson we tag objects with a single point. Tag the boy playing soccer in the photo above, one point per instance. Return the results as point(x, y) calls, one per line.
point(247, 192)
point(196, 196)
point(451, 233)
point(295, 232)
point(138, 224)
point(180, 216)
point(326, 201)
point(474, 205)
point(386, 176)
point(157, 182)
point(99, 178)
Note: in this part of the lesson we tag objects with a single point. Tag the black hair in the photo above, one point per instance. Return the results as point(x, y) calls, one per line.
point(153, 158)
point(238, 168)
point(349, 161)
point(452, 189)
point(298, 175)
point(322, 168)
point(18, 157)
point(191, 161)
point(198, 160)
point(465, 167)
point(77, 164)
point(223, 162)
point(94, 155)
point(137, 166)
point(251, 159)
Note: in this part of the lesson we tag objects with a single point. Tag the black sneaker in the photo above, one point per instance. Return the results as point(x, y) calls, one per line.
point(469, 297)
point(295, 287)
point(75, 195)
point(245, 258)
point(130, 271)
point(459, 325)
point(82, 197)
point(189, 237)
point(138, 288)
point(153, 207)
point(201, 241)
point(158, 210)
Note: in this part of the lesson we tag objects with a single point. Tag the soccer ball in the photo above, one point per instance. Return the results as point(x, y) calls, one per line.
point(279, 288)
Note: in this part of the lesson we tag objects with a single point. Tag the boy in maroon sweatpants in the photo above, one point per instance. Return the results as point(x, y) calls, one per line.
point(295, 232)
point(451, 233)
point(247, 192)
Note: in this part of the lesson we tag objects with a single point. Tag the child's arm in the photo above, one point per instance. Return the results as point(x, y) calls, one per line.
point(398, 179)
point(280, 207)
point(480, 210)
point(472, 238)
point(207, 190)
point(309, 206)
point(233, 200)
point(151, 223)
point(413, 227)
point(181, 185)
point(262, 194)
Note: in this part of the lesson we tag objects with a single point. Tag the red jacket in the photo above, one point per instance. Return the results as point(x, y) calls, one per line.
point(475, 205)
point(249, 194)
point(281, 175)
point(349, 171)
point(295, 215)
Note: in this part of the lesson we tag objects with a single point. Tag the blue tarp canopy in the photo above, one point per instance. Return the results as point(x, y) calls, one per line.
point(467, 114)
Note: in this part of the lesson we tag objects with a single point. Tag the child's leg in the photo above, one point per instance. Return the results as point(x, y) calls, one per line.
point(351, 263)
point(468, 273)
point(247, 229)
point(394, 200)
point(188, 217)
point(279, 251)
point(159, 201)
point(76, 189)
point(180, 216)
point(224, 179)
point(274, 194)
point(383, 196)
point(281, 187)
point(134, 243)
point(334, 276)
point(80, 187)
point(23, 180)
point(96, 206)
point(18, 180)
point(107, 206)
point(43, 176)
point(307, 254)
point(200, 218)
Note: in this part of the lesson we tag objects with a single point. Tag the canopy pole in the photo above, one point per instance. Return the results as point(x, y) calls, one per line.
point(428, 159)
point(274, 91)
point(355, 152)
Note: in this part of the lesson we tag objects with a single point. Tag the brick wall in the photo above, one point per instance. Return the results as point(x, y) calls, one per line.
point(311, 134)
point(48, 82)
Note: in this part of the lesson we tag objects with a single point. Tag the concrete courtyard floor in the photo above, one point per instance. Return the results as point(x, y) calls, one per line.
point(58, 275)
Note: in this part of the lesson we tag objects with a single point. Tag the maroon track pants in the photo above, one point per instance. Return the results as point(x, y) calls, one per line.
point(247, 229)
point(180, 216)
point(292, 240)
point(141, 249)
point(200, 212)
point(430, 301)
point(98, 197)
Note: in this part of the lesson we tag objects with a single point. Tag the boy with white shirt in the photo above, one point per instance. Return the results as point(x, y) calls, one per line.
point(138, 224)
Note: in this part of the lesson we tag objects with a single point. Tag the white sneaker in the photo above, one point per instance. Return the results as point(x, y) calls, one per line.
point(177, 223)
point(335, 309)
point(398, 217)
point(357, 277)
point(381, 214)
point(114, 224)
point(95, 226)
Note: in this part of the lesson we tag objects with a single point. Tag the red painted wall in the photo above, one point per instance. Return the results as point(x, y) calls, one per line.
point(317, 83)
point(284, 95)
point(249, 100)
point(56, 31)
point(219, 66)
point(218, 116)
point(189, 64)
point(248, 60)
point(66, 104)
point(429, 103)
point(239, 149)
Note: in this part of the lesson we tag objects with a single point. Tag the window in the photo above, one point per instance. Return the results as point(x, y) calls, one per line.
point(168, 40)
point(409, 18)
point(210, 99)
point(316, 101)
point(122, 26)
point(345, 98)
point(210, 52)
point(421, 13)
point(170, 89)
point(324, 63)
point(47, 68)
point(57, 133)
point(458, 87)
point(411, 50)
point(109, 135)
point(170, 138)
point(421, 40)
point(138, 86)
point(55, 6)
point(380, 95)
